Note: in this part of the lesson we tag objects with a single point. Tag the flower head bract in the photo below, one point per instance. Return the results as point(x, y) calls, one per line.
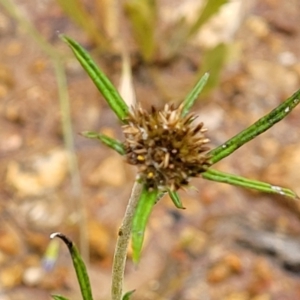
point(167, 148)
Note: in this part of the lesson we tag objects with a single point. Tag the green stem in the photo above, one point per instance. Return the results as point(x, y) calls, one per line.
point(122, 243)
point(256, 129)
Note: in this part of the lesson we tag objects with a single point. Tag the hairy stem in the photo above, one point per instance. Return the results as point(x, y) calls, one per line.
point(122, 243)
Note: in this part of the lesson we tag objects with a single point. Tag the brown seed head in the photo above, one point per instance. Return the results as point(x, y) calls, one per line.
point(167, 149)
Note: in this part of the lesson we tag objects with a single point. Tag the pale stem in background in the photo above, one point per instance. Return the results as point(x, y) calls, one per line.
point(64, 102)
point(126, 88)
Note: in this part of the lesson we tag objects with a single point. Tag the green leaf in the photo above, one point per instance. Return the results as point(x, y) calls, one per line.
point(51, 254)
point(218, 176)
point(255, 129)
point(80, 268)
point(175, 198)
point(142, 15)
point(128, 295)
point(182, 31)
point(79, 14)
point(213, 61)
point(193, 95)
point(140, 220)
point(59, 297)
point(108, 141)
point(103, 84)
point(211, 8)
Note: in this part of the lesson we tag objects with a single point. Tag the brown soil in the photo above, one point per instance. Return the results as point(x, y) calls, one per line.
point(229, 243)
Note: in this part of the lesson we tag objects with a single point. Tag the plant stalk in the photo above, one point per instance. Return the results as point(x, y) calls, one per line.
point(122, 243)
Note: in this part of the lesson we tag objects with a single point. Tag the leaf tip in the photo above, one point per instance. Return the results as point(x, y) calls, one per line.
point(89, 134)
point(64, 238)
point(206, 75)
point(54, 235)
point(63, 37)
point(128, 295)
point(136, 258)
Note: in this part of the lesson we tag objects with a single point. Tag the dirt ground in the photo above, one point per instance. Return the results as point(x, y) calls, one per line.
point(229, 243)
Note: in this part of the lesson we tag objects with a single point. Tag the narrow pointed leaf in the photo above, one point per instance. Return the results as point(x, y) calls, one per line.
point(193, 95)
point(176, 199)
point(211, 8)
point(59, 297)
point(140, 220)
point(108, 141)
point(50, 256)
point(213, 60)
point(218, 176)
point(183, 31)
point(128, 295)
point(80, 268)
point(256, 129)
point(79, 14)
point(143, 17)
point(103, 84)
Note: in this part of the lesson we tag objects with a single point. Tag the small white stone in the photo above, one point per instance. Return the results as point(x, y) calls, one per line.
point(287, 58)
point(33, 275)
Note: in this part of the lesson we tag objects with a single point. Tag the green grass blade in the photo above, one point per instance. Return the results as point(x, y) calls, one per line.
point(175, 199)
point(213, 61)
point(256, 129)
point(140, 220)
point(59, 297)
point(79, 14)
point(103, 84)
point(128, 295)
point(108, 141)
point(247, 183)
point(80, 268)
point(189, 101)
point(51, 255)
point(143, 16)
point(211, 8)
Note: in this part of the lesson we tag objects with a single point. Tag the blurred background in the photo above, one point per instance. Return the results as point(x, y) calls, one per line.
point(229, 243)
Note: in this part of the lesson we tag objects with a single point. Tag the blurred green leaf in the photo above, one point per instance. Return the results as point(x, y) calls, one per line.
point(78, 13)
point(213, 62)
point(51, 254)
point(140, 220)
point(142, 14)
point(103, 84)
point(211, 8)
point(59, 297)
point(108, 141)
point(128, 295)
point(80, 268)
point(175, 198)
point(182, 31)
point(218, 176)
point(193, 95)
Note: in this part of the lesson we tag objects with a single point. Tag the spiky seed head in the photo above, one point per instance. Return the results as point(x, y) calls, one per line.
point(168, 149)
